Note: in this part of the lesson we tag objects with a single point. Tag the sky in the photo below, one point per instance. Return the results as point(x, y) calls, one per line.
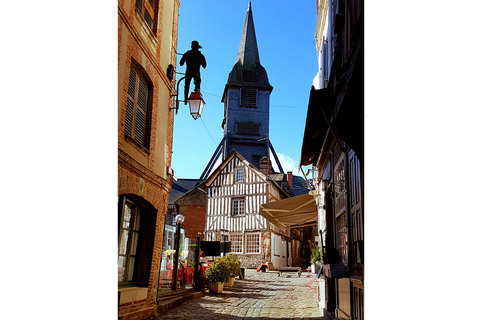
point(285, 38)
point(59, 170)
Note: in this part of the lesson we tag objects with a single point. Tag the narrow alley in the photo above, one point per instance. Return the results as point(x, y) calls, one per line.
point(262, 295)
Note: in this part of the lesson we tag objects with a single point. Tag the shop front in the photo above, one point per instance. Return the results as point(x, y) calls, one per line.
point(178, 257)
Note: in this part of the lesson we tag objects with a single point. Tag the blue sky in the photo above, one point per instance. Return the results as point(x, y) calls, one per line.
point(285, 38)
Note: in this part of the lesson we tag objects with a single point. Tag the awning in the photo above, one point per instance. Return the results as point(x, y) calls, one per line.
point(315, 124)
point(292, 212)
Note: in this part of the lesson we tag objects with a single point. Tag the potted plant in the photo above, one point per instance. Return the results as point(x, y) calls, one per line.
point(316, 258)
point(233, 269)
point(217, 273)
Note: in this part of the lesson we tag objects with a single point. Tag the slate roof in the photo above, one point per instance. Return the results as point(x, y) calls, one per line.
point(180, 187)
point(247, 70)
point(299, 185)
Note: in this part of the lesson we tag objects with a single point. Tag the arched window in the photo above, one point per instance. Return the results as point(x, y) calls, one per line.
point(136, 232)
point(128, 242)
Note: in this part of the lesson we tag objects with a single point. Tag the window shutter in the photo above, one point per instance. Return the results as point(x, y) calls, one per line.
point(130, 102)
point(140, 127)
point(136, 113)
point(248, 128)
point(141, 112)
point(129, 117)
point(149, 8)
point(142, 95)
point(249, 97)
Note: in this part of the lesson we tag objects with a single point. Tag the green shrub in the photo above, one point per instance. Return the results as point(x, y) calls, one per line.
point(218, 271)
point(233, 265)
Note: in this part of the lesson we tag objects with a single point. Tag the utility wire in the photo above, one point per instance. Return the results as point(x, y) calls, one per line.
point(214, 144)
point(272, 105)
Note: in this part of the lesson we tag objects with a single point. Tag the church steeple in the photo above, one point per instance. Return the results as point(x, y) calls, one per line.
point(248, 50)
point(247, 68)
point(246, 101)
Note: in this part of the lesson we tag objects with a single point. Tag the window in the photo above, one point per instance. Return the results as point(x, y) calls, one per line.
point(342, 237)
point(248, 128)
point(239, 175)
point(238, 207)
point(146, 9)
point(136, 125)
point(253, 242)
point(340, 190)
point(236, 241)
point(128, 242)
point(248, 98)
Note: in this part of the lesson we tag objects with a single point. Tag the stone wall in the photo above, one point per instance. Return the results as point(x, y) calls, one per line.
point(251, 261)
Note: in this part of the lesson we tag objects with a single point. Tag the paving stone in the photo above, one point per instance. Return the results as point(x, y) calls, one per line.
point(262, 295)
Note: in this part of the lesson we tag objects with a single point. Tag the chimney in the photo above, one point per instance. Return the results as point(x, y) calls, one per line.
point(265, 166)
point(290, 179)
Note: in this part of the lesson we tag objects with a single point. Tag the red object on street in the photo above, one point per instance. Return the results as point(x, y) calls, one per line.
point(262, 267)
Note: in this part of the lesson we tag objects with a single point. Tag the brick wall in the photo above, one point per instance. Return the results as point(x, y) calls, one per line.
point(135, 183)
point(194, 220)
point(142, 171)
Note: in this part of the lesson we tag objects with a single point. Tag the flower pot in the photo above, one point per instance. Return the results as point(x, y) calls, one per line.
point(229, 283)
point(215, 287)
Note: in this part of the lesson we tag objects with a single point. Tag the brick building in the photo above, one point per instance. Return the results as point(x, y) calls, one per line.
point(147, 35)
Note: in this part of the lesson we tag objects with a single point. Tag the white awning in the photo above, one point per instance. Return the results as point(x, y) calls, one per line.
point(292, 212)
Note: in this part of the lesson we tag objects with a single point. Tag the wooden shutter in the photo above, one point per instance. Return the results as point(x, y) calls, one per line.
point(248, 128)
point(130, 102)
point(249, 97)
point(136, 113)
point(141, 112)
point(146, 8)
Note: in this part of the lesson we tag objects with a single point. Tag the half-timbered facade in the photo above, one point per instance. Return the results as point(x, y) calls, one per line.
point(235, 191)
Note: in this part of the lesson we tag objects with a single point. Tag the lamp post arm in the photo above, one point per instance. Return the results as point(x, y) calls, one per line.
point(176, 95)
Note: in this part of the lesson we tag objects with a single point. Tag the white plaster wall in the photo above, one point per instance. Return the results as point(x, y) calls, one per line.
point(279, 251)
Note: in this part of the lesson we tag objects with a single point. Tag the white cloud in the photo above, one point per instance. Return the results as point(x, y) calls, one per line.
point(288, 164)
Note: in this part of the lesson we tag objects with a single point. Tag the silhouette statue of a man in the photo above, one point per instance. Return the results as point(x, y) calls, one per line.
point(194, 60)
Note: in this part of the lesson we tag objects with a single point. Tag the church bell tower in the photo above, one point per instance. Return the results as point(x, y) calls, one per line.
point(246, 101)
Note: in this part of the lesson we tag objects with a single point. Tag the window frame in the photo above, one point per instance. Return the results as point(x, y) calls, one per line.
point(240, 236)
point(237, 200)
point(237, 175)
point(143, 7)
point(134, 227)
point(259, 242)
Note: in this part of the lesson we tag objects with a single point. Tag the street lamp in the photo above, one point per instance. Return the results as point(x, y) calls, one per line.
point(179, 219)
point(195, 102)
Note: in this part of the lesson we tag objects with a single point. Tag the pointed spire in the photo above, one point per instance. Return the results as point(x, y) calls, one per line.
point(248, 50)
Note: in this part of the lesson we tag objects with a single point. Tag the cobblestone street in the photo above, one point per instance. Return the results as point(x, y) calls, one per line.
point(261, 295)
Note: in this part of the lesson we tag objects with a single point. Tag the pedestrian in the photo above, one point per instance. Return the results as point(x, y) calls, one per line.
point(203, 264)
